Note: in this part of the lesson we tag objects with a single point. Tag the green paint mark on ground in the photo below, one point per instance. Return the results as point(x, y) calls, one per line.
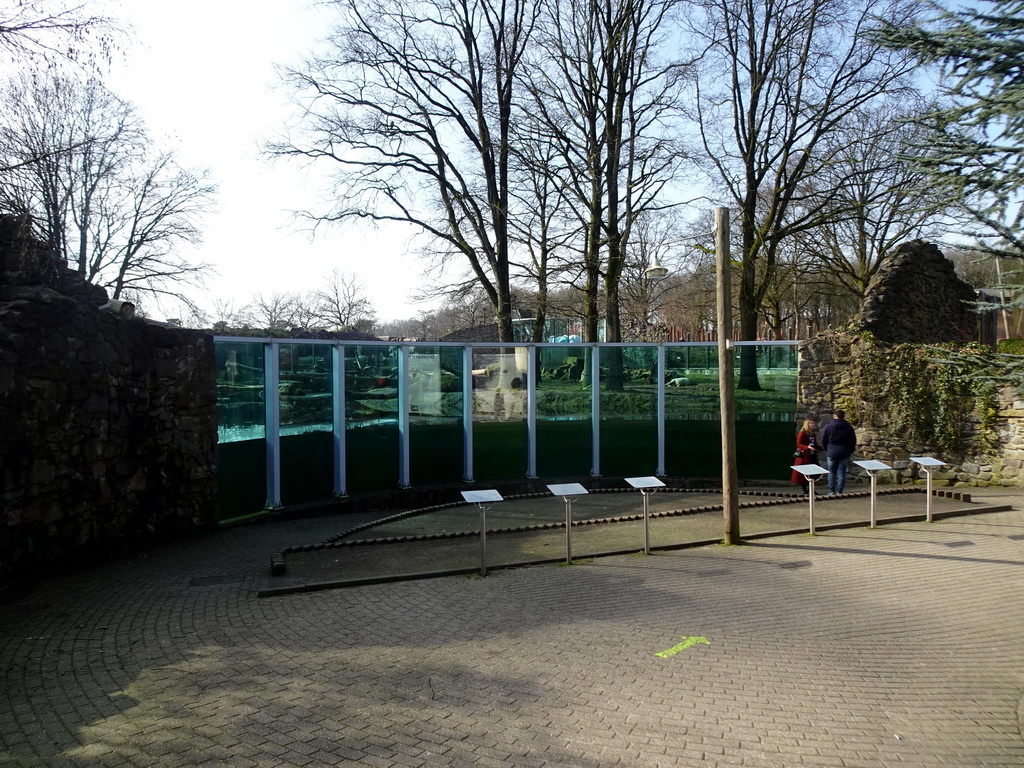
point(687, 642)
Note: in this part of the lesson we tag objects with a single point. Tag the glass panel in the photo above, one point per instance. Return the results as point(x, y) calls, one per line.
point(499, 413)
point(775, 357)
point(241, 478)
point(693, 431)
point(435, 415)
point(240, 406)
point(241, 429)
point(307, 428)
point(629, 410)
point(766, 418)
point(371, 417)
point(564, 410)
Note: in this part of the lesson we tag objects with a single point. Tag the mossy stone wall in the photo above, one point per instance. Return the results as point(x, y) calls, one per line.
point(903, 403)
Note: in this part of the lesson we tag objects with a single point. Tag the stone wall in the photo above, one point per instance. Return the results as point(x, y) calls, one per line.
point(108, 425)
point(915, 297)
point(992, 454)
point(901, 402)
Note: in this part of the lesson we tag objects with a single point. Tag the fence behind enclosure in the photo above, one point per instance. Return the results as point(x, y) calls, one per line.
point(308, 420)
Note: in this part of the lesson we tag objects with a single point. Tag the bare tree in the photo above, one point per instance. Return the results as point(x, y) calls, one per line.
point(139, 225)
point(305, 313)
point(52, 30)
point(224, 316)
point(103, 197)
point(64, 138)
point(657, 239)
point(417, 328)
point(881, 197)
point(275, 312)
point(343, 303)
point(544, 228)
point(466, 310)
point(414, 104)
point(776, 78)
point(600, 92)
point(974, 268)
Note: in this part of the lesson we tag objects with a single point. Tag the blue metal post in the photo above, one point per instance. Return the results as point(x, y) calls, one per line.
point(467, 414)
point(403, 416)
point(660, 373)
point(271, 400)
point(338, 403)
point(531, 411)
point(595, 410)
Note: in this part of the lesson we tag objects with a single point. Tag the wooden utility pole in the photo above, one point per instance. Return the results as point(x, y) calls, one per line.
point(726, 387)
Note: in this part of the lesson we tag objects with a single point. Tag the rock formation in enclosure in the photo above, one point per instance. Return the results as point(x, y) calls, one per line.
point(916, 297)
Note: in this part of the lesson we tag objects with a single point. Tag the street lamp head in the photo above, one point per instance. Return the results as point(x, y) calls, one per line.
point(656, 271)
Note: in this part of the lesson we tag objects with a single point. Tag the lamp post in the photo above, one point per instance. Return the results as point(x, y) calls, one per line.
point(656, 271)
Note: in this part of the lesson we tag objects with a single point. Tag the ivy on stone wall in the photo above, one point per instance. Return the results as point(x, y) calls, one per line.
point(928, 394)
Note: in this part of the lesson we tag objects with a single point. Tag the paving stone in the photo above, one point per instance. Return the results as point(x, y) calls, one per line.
point(889, 631)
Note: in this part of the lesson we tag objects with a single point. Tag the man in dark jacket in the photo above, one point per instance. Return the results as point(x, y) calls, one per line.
point(839, 441)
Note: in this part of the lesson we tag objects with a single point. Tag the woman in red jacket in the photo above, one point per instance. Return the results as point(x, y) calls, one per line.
point(806, 451)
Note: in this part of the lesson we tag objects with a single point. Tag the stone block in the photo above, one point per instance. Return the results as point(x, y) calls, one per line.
point(43, 472)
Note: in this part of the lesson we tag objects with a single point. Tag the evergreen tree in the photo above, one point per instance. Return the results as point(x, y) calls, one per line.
point(976, 133)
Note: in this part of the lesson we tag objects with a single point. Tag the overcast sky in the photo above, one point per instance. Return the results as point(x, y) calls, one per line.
point(202, 71)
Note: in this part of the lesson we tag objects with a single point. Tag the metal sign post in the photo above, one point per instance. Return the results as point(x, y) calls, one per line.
point(872, 467)
point(568, 492)
point(928, 464)
point(482, 499)
point(646, 486)
point(812, 472)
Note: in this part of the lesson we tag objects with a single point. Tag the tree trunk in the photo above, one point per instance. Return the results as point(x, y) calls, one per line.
point(749, 302)
point(612, 356)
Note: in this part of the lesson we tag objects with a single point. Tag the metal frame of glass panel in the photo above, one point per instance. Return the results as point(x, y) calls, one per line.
point(403, 416)
point(467, 413)
point(595, 411)
point(531, 411)
point(405, 349)
point(338, 403)
point(661, 412)
point(272, 403)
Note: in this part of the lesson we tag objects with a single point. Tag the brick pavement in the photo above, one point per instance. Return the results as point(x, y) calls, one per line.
point(898, 646)
point(531, 530)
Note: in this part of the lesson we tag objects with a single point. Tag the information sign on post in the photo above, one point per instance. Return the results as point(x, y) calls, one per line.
point(928, 464)
point(812, 472)
point(483, 500)
point(646, 486)
point(872, 467)
point(568, 492)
